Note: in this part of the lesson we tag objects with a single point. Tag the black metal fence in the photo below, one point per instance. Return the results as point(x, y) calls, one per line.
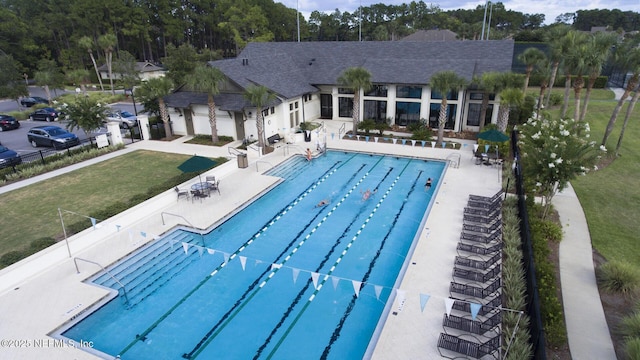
point(533, 304)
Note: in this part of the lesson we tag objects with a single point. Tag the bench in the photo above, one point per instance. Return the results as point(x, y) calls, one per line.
point(274, 139)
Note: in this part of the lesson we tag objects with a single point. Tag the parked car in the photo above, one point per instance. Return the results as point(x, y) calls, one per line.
point(8, 122)
point(8, 157)
point(126, 119)
point(52, 136)
point(33, 100)
point(45, 114)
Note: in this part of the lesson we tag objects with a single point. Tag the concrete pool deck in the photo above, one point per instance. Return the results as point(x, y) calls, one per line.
point(42, 293)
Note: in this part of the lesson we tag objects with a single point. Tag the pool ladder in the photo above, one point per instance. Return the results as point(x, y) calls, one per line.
point(124, 290)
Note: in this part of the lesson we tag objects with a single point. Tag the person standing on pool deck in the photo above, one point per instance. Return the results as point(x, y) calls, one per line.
point(427, 185)
point(308, 154)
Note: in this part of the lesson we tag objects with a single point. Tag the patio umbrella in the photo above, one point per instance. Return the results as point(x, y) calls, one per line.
point(196, 164)
point(493, 135)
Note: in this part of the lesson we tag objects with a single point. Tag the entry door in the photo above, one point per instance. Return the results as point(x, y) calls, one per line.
point(326, 106)
point(239, 125)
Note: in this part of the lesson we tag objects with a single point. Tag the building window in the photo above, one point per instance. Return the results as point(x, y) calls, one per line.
point(451, 95)
point(478, 96)
point(326, 106)
point(375, 109)
point(290, 107)
point(434, 114)
point(295, 104)
point(377, 91)
point(345, 91)
point(409, 92)
point(273, 110)
point(345, 107)
point(473, 118)
point(407, 113)
point(265, 112)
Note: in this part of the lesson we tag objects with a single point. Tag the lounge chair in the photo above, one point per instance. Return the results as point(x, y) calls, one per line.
point(471, 326)
point(472, 348)
point(477, 276)
point(182, 193)
point(477, 291)
point(482, 211)
point(488, 199)
point(484, 204)
point(474, 249)
point(483, 228)
point(480, 219)
point(478, 263)
point(483, 238)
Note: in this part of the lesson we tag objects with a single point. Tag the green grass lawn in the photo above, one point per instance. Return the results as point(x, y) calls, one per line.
point(610, 196)
point(32, 212)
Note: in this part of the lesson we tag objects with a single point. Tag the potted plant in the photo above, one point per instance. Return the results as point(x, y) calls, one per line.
point(305, 127)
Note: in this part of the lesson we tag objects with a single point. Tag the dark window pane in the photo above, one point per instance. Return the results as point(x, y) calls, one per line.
point(409, 92)
point(407, 113)
point(345, 107)
point(434, 114)
point(345, 91)
point(377, 90)
point(376, 110)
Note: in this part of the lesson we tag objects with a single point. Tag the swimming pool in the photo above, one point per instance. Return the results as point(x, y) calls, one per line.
point(281, 279)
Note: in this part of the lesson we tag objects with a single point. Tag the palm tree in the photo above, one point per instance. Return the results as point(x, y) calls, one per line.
point(572, 44)
point(600, 48)
point(259, 96)
point(531, 58)
point(358, 79)
point(443, 82)
point(107, 42)
point(157, 88)
point(508, 97)
point(553, 38)
point(627, 116)
point(79, 77)
point(207, 79)
point(87, 43)
point(627, 57)
point(544, 70)
point(489, 82)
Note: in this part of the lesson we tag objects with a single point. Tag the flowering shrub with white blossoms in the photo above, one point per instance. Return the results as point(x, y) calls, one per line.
point(555, 152)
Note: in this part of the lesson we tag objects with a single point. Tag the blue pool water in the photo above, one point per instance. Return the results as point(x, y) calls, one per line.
point(281, 279)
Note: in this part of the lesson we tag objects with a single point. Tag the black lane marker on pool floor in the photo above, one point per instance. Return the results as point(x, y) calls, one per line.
point(338, 329)
point(296, 300)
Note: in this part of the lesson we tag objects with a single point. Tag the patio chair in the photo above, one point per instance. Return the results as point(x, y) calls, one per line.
point(215, 186)
point(481, 219)
point(477, 327)
point(482, 211)
point(477, 291)
point(489, 205)
point(477, 276)
point(210, 179)
point(472, 348)
point(182, 193)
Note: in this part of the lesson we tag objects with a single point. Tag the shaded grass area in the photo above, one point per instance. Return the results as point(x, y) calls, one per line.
point(31, 213)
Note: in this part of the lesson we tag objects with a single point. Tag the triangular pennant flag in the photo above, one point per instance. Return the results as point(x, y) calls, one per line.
point(385, 139)
point(314, 277)
point(423, 143)
point(335, 282)
point(394, 140)
point(475, 308)
point(486, 148)
point(433, 144)
point(275, 266)
point(356, 286)
point(375, 139)
point(413, 143)
point(444, 144)
point(118, 227)
point(448, 303)
point(358, 137)
point(185, 247)
point(366, 138)
point(211, 251)
point(226, 258)
point(200, 250)
point(93, 223)
point(423, 301)
point(350, 136)
point(378, 290)
point(143, 234)
point(243, 261)
point(404, 141)
point(295, 272)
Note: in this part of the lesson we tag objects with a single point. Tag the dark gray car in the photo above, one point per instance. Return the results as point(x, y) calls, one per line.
point(8, 157)
point(52, 136)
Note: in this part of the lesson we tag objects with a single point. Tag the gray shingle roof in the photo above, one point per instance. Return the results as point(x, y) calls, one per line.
point(431, 35)
point(224, 101)
point(291, 69)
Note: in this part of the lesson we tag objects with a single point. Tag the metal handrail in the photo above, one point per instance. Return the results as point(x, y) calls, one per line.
point(342, 130)
point(262, 161)
point(288, 146)
point(454, 160)
point(187, 221)
point(124, 290)
point(235, 151)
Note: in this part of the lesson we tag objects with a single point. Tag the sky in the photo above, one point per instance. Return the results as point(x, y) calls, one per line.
point(550, 8)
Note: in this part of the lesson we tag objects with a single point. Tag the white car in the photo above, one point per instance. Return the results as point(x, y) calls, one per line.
point(126, 119)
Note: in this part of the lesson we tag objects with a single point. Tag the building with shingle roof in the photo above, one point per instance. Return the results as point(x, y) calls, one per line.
point(145, 69)
point(303, 76)
point(431, 35)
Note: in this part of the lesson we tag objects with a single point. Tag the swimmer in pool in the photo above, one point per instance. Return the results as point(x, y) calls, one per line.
point(324, 202)
point(367, 194)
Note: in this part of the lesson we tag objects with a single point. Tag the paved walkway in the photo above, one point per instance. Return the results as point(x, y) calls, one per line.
point(587, 329)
